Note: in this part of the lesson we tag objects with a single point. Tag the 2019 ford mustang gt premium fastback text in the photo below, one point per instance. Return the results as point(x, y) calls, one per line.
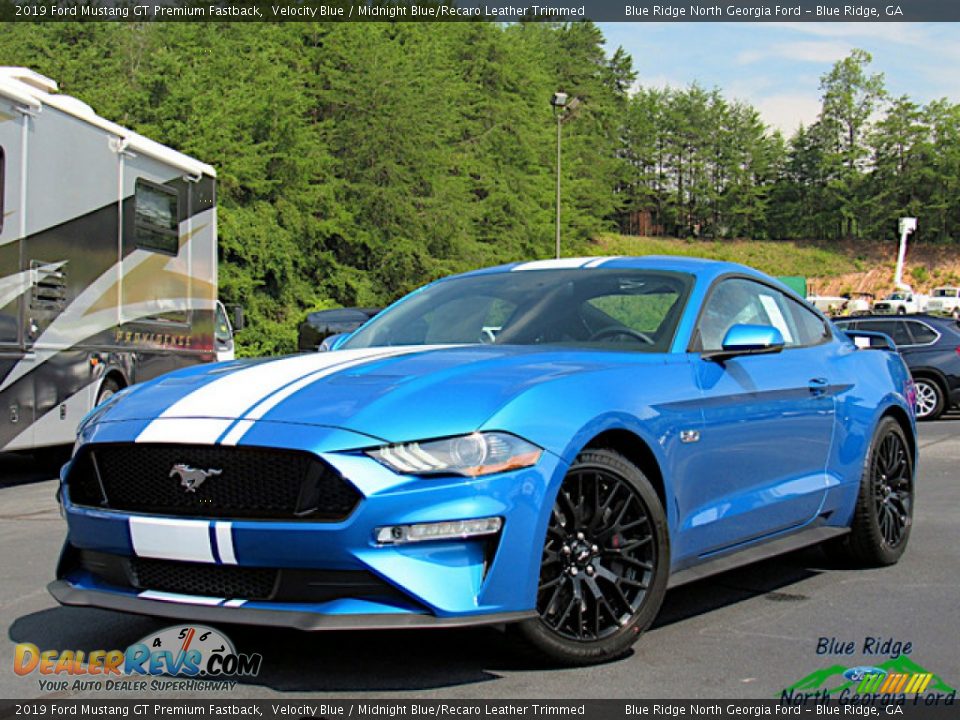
point(548, 445)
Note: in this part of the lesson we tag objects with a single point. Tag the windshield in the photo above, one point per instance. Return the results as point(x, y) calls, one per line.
point(613, 309)
point(896, 296)
point(945, 292)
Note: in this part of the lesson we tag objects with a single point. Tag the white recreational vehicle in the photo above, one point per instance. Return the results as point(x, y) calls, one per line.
point(108, 261)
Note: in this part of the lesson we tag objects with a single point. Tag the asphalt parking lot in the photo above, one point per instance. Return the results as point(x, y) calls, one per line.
point(748, 633)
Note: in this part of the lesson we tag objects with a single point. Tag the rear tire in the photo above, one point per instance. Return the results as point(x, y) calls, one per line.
point(931, 400)
point(884, 512)
point(606, 560)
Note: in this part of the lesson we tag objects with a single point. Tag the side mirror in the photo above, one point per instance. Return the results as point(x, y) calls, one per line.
point(238, 318)
point(332, 342)
point(747, 340)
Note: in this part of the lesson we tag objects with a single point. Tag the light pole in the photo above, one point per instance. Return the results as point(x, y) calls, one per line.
point(563, 105)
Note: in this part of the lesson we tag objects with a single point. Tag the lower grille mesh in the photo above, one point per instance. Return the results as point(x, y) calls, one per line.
point(302, 585)
point(208, 580)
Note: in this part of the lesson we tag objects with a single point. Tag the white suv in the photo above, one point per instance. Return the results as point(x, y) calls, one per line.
point(945, 301)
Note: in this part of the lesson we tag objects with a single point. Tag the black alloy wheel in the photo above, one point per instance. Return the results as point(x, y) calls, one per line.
point(605, 562)
point(883, 515)
point(893, 489)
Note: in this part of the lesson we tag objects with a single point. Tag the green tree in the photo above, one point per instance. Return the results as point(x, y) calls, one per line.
point(850, 97)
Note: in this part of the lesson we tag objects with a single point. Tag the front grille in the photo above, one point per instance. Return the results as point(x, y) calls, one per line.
point(232, 581)
point(252, 483)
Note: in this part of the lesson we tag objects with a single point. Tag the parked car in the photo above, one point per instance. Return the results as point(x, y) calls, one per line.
point(548, 445)
point(320, 325)
point(931, 348)
point(901, 302)
point(945, 301)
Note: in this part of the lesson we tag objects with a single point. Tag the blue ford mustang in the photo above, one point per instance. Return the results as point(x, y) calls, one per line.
point(549, 444)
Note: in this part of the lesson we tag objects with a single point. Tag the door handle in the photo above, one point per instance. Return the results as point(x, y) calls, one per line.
point(818, 386)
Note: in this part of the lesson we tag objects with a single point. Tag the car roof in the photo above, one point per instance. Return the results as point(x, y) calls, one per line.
point(933, 319)
point(704, 269)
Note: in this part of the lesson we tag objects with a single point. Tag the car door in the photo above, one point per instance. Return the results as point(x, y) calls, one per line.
point(759, 465)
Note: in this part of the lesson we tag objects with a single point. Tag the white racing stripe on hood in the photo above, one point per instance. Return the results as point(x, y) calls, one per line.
point(195, 431)
point(266, 405)
point(248, 394)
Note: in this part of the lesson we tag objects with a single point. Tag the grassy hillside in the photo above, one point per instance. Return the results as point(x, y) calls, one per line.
point(773, 257)
point(830, 268)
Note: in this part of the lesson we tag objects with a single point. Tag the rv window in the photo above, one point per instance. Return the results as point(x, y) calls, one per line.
point(3, 175)
point(155, 218)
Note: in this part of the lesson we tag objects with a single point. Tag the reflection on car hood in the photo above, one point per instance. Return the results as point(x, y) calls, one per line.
point(393, 393)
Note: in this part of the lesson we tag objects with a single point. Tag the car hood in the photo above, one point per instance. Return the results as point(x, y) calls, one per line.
point(393, 394)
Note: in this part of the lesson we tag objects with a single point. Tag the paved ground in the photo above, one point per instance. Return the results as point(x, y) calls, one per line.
point(747, 633)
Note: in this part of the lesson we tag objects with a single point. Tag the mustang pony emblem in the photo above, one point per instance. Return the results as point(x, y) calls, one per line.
point(192, 478)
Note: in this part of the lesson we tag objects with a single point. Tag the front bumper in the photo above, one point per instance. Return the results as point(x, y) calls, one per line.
point(306, 618)
point(436, 583)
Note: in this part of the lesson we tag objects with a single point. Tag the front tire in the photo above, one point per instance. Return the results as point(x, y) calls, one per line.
point(884, 512)
point(605, 564)
point(108, 389)
point(931, 401)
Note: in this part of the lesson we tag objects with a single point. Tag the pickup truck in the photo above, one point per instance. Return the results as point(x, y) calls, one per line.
point(901, 302)
point(945, 301)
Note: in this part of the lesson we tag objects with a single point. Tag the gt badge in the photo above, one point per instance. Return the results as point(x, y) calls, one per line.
point(192, 478)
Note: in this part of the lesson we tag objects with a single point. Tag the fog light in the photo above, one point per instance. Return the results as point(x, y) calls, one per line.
point(447, 530)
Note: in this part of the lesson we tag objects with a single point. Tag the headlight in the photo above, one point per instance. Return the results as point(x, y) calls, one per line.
point(470, 455)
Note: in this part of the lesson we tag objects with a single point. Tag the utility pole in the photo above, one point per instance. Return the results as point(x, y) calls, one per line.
point(559, 120)
point(563, 105)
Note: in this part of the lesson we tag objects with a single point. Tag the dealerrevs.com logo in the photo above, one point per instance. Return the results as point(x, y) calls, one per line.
point(203, 655)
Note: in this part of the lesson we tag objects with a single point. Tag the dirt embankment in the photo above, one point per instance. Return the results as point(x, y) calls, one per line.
point(872, 266)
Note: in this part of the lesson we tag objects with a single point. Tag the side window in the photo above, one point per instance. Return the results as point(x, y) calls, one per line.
point(810, 329)
point(221, 325)
point(156, 218)
point(896, 329)
point(922, 334)
point(738, 301)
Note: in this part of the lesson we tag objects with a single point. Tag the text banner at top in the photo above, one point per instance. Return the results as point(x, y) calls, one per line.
point(481, 10)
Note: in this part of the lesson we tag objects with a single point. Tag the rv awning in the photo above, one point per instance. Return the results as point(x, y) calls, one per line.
point(34, 90)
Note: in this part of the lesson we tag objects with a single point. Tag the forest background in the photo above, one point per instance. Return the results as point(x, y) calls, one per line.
point(358, 161)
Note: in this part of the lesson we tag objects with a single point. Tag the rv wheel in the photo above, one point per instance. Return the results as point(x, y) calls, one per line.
point(109, 388)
